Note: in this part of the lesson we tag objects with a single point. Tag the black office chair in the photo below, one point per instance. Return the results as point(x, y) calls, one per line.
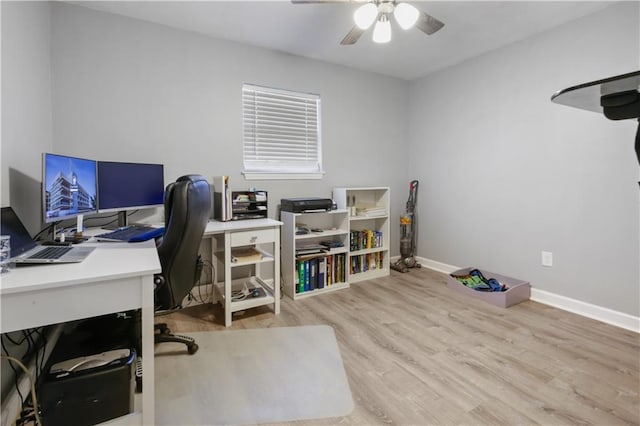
point(187, 207)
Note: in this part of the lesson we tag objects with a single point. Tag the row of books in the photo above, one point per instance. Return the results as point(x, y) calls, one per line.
point(365, 239)
point(366, 262)
point(320, 272)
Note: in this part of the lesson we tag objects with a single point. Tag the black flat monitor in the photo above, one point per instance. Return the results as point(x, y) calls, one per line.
point(129, 186)
point(69, 187)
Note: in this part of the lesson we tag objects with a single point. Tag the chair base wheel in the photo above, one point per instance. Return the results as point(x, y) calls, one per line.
point(162, 328)
point(192, 349)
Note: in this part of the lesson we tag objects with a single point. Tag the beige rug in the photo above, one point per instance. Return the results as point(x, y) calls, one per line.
point(252, 376)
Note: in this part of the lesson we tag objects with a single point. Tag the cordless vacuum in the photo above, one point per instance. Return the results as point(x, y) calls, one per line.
point(408, 233)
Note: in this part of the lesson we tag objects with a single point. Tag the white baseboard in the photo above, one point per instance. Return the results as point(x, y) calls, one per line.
point(437, 266)
point(599, 313)
point(606, 315)
point(431, 264)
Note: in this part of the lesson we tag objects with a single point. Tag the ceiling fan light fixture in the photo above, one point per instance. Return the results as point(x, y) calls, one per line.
point(382, 30)
point(406, 15)
point(365, 15)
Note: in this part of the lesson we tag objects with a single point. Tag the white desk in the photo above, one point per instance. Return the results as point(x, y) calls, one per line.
point(115, 277)
point(226, 235)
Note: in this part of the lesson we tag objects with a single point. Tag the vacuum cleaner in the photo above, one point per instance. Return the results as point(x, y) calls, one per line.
point(408, 233)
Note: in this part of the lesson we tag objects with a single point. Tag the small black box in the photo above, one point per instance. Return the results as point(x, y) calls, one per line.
point(300, 205)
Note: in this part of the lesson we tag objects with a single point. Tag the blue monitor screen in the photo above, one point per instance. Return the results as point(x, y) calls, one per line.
point(68, 187)
point(128, 186)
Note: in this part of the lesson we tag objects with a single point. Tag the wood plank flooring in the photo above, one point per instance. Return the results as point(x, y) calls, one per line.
point(417, 353)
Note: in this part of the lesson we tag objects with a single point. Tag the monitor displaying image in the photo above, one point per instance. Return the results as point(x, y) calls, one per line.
point(68, 187)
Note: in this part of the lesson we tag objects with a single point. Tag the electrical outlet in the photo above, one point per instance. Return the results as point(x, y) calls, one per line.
point(547, 258)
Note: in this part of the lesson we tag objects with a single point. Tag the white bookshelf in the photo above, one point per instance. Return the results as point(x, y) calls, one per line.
point(367, 209)
point(327, 226)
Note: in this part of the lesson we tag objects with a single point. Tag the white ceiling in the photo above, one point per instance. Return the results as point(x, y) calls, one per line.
point(315, 30)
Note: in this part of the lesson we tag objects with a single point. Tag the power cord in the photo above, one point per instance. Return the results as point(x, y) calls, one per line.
point(237, 295)
point(15, 372)
point(246, 292)
point(34, 397)
point(35, 340)
point(202, 297)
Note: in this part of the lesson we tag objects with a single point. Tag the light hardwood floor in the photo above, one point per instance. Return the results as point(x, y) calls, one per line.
point(417, 353)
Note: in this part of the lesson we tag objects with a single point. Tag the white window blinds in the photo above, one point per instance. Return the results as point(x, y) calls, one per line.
point(281, 133)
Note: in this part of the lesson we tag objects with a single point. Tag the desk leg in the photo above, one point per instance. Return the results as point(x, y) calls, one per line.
point(217, 297)
point(227, 279)
point(148, 349)
point(276, 273)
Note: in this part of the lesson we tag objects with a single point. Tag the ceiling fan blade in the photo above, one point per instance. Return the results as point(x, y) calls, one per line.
point(352, 36)
point(323, 1)
point(428, 24)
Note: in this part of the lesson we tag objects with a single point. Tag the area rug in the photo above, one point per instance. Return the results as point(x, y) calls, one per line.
point(252, 376)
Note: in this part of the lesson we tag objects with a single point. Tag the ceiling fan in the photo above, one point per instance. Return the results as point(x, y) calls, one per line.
point(378, 11)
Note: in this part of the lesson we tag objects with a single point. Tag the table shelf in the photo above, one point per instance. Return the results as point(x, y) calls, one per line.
point(264, 236)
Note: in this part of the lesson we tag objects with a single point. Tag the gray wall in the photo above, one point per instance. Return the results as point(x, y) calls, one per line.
point(124, 89)
point(505, 173)
point(26, 121)
point(26, 106)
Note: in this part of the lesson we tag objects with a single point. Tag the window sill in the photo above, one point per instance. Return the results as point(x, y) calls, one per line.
point(281, 176)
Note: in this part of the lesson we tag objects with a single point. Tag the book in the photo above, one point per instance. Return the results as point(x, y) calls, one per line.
point(312, 273)
point(322, 268)
point(306, 275)
point(331, 244)
point(300, 287)
point(309, 248)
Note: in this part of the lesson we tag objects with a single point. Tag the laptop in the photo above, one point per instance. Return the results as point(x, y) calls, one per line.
point(24, 250)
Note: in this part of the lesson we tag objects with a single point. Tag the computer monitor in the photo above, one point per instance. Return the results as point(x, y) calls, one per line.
point(129, 186)
point(68, 187)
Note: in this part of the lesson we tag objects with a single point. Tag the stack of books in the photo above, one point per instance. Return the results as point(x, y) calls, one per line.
point(309, 248)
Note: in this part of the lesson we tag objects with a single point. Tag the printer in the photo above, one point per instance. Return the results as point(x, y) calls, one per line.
point(305, 205)
point(89, 389)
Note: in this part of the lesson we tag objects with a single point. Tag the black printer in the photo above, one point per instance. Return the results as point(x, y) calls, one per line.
point(302, 205)
point(89, 389)
point(90, 376)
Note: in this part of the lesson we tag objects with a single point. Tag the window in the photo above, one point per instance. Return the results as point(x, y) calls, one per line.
point(281, 134)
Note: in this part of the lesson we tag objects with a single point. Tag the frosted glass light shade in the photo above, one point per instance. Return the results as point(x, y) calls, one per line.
point(382, 30)
point(365, 15)
point(406, 15)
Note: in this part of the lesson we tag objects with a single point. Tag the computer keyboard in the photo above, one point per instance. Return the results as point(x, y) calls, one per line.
point(131, 234)
point(50, 253)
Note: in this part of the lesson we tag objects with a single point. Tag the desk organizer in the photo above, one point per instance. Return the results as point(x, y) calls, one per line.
point(248, 205)
point(518, 291)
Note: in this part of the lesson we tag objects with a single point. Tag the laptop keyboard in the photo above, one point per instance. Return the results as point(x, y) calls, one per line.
point(51, 253)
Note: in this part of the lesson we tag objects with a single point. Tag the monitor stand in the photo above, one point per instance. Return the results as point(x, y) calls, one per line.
point(121, 222)
point(75, 237)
